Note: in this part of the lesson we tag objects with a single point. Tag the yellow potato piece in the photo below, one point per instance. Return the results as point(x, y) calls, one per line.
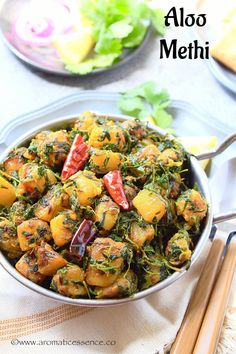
point(101, 136)
point(141, 235)
point(150, 205)
point(86, 122)
point(69, 281)
point(106, 160)
point(27, 266)
point(31, 232)
point(106, 213)
point(87, 187)
point(7, 193)
point(61, 228)
point(48, 260)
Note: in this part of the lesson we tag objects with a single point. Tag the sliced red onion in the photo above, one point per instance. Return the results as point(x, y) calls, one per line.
point(38, 25)
point(43, 29)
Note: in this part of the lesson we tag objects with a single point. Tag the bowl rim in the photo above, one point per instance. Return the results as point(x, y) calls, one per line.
point(198, 172)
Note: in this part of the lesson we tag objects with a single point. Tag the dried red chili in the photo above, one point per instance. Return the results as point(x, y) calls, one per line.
point(76, 159)
point(85, 234)
point(114, 185)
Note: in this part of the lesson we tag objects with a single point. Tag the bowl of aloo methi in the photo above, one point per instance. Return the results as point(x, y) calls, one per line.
point(99, 210)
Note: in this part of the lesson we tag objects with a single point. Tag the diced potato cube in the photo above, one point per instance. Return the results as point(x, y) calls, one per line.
point(106, 262)
point(48, 260)
point(101, 136)
point(105, 161)
point(155, 270)
point(51, 147)
point(35, 180)
point(20, 211)
point(27, 266)
point(85, 187)
point(149, 153)
point(106, 213)
point(63, 227)
point(150, 205)
point(9, 242)
point(32, 232)
point(7, 193)
point(69, 281)
point(192, 206)
point(51, 204)
point(125, 285)
point(141, 234)
point(178, 248)
point(170, 158)
point(86, 122)
point(14, 161)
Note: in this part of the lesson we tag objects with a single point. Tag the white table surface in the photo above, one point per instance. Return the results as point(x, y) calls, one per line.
point(22, 90)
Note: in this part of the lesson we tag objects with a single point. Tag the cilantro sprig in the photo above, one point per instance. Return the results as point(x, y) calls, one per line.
point(147, 102)
point(117, 25)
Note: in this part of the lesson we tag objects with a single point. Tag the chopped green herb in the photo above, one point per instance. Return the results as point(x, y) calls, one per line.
point(147, 102)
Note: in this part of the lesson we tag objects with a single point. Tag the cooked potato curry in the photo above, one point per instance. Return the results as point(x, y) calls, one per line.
point(99, 209)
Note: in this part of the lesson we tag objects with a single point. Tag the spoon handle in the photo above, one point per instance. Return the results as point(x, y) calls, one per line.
point(210, 330)
point(223, 146)
point(188, 332)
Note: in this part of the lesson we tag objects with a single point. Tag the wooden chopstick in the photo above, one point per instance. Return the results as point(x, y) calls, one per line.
point(211, 326)
point(188, 332)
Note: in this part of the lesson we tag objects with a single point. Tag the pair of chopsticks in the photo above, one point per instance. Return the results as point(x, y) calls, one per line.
point(200, 330)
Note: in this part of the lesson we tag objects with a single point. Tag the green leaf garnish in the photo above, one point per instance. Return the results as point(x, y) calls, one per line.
point(147, 100)
point(158, 20)
point(121, 29)
point(132, 105)
point(162, 118)
point(98, 61)
point(117, 24)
